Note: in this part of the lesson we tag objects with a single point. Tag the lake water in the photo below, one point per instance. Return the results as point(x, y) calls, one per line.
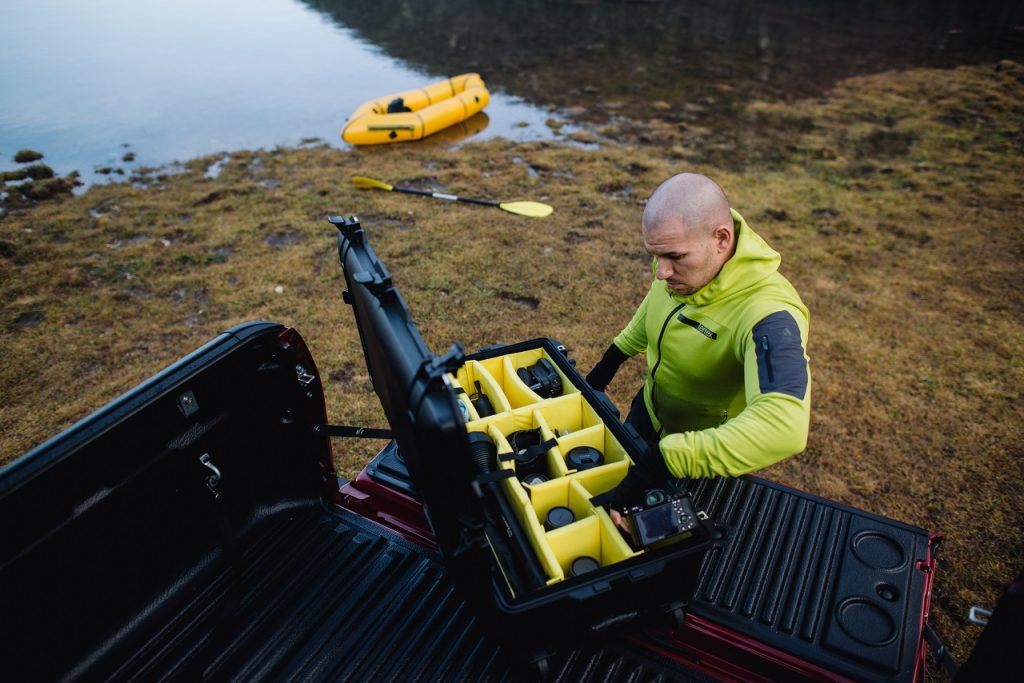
point(88, 82)
point(165, 80)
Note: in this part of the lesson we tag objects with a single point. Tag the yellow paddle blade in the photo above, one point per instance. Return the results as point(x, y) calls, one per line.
point(534, 209)
point(360, 181)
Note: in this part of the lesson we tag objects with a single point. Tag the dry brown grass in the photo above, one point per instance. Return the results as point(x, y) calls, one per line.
point(895, 202)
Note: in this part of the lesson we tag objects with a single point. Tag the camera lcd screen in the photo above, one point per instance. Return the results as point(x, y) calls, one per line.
point(656, 524)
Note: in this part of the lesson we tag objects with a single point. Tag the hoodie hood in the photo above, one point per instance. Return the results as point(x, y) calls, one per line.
point(753, 261)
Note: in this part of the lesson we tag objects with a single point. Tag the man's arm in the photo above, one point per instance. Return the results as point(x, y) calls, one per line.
point(633, 337)
point(629, 342)
point(774, 423)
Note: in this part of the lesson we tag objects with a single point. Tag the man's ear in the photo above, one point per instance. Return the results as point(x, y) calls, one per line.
point(723, 236)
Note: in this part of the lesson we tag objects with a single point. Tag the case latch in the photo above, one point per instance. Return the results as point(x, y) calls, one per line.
point(349, 227)
point(444, 364)
point(431, 370)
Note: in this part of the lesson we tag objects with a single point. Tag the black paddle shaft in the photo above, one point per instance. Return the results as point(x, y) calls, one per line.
point(449, 197)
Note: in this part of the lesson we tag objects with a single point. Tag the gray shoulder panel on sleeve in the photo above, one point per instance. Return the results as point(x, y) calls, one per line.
point(781, 365)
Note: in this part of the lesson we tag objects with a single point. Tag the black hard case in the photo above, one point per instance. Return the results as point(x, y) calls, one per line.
point(478, 537)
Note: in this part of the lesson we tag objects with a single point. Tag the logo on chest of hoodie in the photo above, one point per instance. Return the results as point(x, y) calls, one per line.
point(700, 327)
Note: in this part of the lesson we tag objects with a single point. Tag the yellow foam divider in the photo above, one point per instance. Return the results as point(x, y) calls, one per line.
point(534, 530)
point(599, 437)
point(614, 547)
point(516, 392)
point(600, 479)
point(577, 539)
point(564, 492)
point(592, 537)
point(472, 372)
point(555, 461)
point(570, 413)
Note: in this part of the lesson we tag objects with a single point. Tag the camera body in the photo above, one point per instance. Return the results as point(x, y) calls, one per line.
point(542, 378)
point(662, 518)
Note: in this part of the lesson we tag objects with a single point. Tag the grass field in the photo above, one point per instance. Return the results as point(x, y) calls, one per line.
point(896, 202)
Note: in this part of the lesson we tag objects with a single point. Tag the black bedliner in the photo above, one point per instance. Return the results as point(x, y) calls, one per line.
point(799, 573)
point(324, 595)
point(328, 596)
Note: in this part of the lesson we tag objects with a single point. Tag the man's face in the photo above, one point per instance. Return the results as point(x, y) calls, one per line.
point(686, 262)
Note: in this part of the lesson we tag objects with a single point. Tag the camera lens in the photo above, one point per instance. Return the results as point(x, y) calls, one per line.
point(654, 497)
point(582, 565)
point(483, 451)
point(481, 402)
point(534, 479)
point(558, 517)
point(583, 458)
point(527, 459)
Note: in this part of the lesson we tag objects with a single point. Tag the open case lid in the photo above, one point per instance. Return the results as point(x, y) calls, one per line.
point(418, 400)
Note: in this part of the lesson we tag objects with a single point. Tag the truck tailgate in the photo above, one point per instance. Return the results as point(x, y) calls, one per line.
point(830, 584)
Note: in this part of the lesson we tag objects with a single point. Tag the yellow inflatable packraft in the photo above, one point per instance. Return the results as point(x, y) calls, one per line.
point(415, 114)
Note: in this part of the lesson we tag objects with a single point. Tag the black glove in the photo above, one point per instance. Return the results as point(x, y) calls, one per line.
point(601, 375)
point(648, 472)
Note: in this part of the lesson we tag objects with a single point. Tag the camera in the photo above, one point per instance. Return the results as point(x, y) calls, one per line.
point(542, 378)
point(662, 518)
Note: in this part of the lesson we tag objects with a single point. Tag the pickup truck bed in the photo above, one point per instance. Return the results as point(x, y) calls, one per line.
point(324, 595)
point(194, 530)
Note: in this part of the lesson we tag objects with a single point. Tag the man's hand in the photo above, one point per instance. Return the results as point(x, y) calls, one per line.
point(648, 472)
point(619, 520)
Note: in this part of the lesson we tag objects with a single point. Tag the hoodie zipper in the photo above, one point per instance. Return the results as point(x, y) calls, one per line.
point(657, 364)
point(767, 358)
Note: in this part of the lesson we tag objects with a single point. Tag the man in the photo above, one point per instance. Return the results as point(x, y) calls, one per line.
point(728, 384)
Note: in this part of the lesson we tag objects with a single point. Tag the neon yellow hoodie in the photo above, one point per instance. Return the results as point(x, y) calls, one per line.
point(728, 382)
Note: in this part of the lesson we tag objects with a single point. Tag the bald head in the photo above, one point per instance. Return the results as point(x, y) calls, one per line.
point(688, 229)
point(690, 198)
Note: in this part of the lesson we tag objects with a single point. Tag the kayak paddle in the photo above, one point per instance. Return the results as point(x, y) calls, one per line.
point(534, 209)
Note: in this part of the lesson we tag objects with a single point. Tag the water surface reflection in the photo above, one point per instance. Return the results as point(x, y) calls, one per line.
point(581, 54)
point(106, 86)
